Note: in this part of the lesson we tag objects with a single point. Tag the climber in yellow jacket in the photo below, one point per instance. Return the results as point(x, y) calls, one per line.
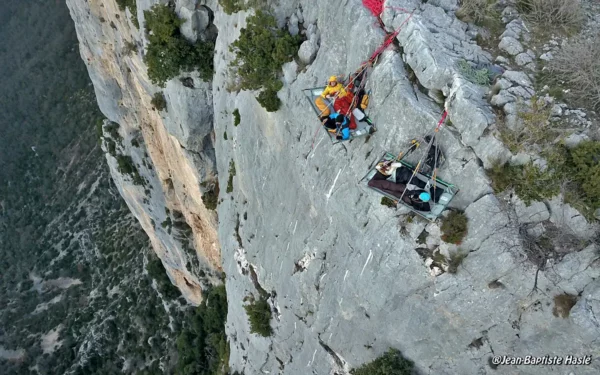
point(333, 90)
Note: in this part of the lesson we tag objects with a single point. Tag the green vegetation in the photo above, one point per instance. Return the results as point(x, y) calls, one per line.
point(157, 271)
point(385, 201)
point(236, 117)
point(576, 67)
point(225, 135)
point(259, 315)
point(210, 198)
point(390, 363)
point(130, 48)
point(202, 345)
point(529, 181)
point(584, 168)
point(127, 166)
point(478, 76)
point(61, 216)
point(269, 100)
point(484, 13)
point(232, 6)
point(231, 175)
point(576, 170)
point(132, 5)
point(456, 260)
point(454, 227)
point(159, 102)
point(556, 14)
point(168, 52)
point(537, 128)
point(261, 51)
point(563, 303)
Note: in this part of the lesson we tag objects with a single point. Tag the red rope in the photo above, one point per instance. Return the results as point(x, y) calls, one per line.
point(439, 125)
point(390, 38)
point(375, 6)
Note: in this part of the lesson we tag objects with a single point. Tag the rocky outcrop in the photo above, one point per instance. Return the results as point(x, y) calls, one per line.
point(174, 152)
point(344, 281)
point(365, 288)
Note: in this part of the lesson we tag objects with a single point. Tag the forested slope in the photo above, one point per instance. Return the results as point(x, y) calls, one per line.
point(75, 295)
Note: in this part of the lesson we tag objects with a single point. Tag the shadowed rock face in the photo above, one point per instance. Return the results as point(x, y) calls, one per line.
point(361, 287)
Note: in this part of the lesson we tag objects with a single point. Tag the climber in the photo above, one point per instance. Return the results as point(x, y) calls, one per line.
point(334, 89)
point(418, 199)
point(337, 123)
point(380, 179)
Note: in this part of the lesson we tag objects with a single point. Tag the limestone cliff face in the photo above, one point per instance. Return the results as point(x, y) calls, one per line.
point(345, 278)
point(173, 150)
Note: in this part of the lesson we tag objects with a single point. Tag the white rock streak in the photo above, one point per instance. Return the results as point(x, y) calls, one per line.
point(367, 262)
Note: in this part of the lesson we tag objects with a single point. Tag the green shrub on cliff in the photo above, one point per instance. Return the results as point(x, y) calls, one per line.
point(169, 53)
point(391, 363)
point(259, 315)
point(261, 51)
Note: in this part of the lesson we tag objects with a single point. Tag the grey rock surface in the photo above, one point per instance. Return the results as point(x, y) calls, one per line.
point(502, 98)
point(362, 287)
point(308, 50)
point(530, 214)
point(523, 59)
point(572, 140)
point(511, 45)
point(519, 78)
point(361, 278)
point(565, 216)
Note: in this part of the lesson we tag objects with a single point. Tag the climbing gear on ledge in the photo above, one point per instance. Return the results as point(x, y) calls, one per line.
point(436, 193)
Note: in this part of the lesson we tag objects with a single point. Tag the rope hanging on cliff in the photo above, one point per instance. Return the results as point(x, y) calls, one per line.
point(429, 145)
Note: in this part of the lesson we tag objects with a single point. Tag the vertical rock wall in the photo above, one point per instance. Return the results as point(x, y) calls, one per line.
point(174, 150)
point(344, 278)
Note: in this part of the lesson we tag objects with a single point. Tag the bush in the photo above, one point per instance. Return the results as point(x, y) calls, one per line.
point(577, 66)
point(537, 128)
point(268, 100)
point(126, 166)
point(259, 315)
point(261, 51)
point(225, 135)
point(529, 182)
point(563, 303)
point(391, 363)
point(483, 13)
point(478, 76)
point(211, 198)
point(232, 6)
point(385, 201)
point(130, 48)
point(231, 175)
point(131, 4)
point(577, 170)
point(454, 227)
point(168, 52)
point(584, 161)
point(159, 102)
point(552, 13)
point(236, 117)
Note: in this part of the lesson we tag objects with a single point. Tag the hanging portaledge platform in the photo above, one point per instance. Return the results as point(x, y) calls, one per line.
point(362, 128)
point(438, 204)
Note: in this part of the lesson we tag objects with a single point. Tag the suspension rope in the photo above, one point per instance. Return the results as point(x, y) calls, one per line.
point(418, 167)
